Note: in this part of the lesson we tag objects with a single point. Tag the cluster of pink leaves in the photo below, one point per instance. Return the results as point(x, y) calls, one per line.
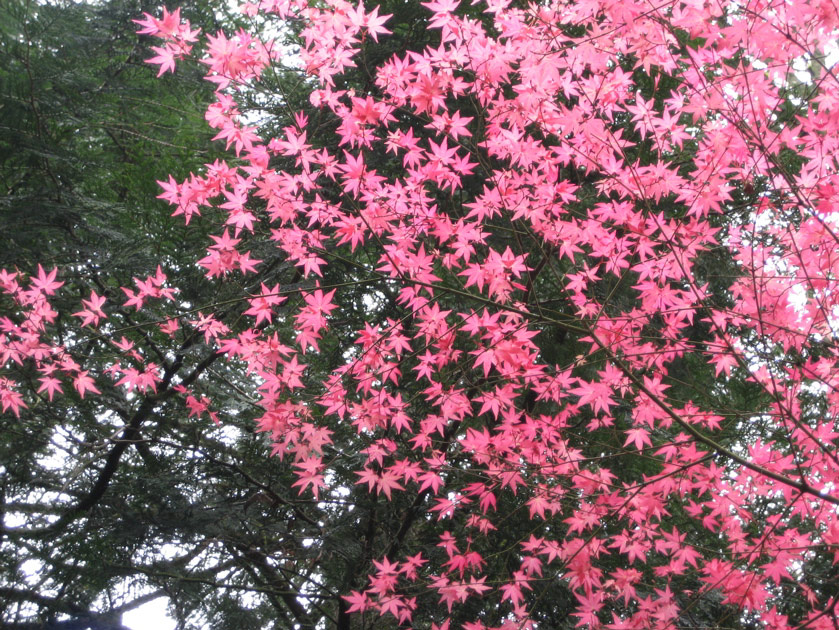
point(22, 339)
point(26, 337)
point(549, 103)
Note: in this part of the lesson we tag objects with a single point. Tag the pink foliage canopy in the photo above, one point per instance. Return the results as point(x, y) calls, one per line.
point(521, 99)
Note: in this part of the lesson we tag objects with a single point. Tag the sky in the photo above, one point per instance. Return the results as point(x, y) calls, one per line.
point(151, 615)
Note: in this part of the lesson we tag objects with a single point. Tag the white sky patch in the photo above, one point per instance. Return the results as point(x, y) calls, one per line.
point(831, 52)
point(150, 615)
point(800, 69)
point(227, 434)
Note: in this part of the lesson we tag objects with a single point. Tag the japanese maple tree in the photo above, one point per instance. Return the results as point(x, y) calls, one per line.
point(595, 245)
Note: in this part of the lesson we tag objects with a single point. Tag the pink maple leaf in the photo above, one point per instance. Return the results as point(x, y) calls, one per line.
point(92, 312)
